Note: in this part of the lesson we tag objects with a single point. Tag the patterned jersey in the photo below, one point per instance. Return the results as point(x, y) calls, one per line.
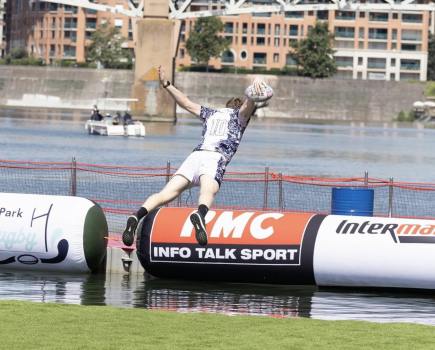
point(222, 130)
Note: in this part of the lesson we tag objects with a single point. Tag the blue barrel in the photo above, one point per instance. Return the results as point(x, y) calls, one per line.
point(352, 201)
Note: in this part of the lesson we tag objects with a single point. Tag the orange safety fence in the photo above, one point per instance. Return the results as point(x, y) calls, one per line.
point(121, 189)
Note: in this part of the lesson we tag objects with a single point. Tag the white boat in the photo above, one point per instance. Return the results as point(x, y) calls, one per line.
point(107, 127)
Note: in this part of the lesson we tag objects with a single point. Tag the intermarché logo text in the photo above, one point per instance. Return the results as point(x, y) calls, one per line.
point(400, 233)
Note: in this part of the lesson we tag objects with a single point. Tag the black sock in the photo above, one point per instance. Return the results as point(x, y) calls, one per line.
point(141, 213)
point(202, 210)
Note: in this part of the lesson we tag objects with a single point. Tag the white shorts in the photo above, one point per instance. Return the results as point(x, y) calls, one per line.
point(203, 163)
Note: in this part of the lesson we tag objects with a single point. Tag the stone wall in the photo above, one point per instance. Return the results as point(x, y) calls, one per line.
point(303, 98)
point(295, 98)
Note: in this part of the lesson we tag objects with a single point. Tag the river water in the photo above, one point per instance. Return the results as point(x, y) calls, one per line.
point(295, 149)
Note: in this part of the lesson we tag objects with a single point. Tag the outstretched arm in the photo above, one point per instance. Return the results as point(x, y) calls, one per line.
point(248, 106)
point(181, 99)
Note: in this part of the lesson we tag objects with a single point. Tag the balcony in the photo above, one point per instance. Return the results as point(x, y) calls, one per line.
point(344, 62)
point(378, 16)
point(412, 18)
point(344, 33)
point(345, 15)
point(409, 65)
point(376, 64)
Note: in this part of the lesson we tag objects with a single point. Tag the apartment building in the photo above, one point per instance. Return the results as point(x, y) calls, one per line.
point(57, 32)
point(368, 44)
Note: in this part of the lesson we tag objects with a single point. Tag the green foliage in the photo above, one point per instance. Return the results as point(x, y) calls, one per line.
point(106, 48)
point(431, 59)
point(20, 57)
point(204, 41)
point(406, 116)
point(18, 53)
point(314, 54)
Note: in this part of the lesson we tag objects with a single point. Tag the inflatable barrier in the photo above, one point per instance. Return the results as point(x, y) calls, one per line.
point(51, 233)
point(290, 248)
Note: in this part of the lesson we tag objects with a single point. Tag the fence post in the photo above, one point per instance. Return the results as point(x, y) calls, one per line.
point(73, 189)
point(168, 171)
point(266, 188)
point(390, 197)
point(280, 193)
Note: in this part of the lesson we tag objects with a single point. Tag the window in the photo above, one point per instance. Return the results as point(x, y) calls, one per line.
point(71, 23)
point(243, 55)
point(277, 29)
point(276, 57)
point(360, 61)
point(119, 23)
point(228, 27)
point(378, 16)
point(411, 47)
point(245, 28)
point(393, 62)
point(378, 33)
point(412, 18)
point(344, 32)
point(276, 42)
point(322, 15)
point(409, 64)
point(377, 46)
point(182, 53)
point(290, 61)
point(260, 58)
point(293, 30)
point(362, 33)
point(227, 57)
point(294, 14)
point(344, 61)
point(244, 40)
point(69, 51)
point(91, 23)
point(260, 41)
point(411, 35)
point(377, 63)
point(345, 15)
point(261, 29)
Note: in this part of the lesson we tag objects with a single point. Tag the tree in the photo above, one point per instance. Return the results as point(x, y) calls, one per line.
point(106, 48)
point(315, 54)
point(431, 59)
point(204, 41)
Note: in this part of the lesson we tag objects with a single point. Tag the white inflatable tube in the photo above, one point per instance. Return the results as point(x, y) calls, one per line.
point(51, 233)
point(375, 252)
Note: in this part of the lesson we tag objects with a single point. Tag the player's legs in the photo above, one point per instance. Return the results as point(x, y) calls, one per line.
point(208, 189)
point(172, 190)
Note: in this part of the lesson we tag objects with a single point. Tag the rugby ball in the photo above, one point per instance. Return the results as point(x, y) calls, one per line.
point(265, 93)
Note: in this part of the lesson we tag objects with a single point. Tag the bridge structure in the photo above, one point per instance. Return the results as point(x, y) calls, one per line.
point(159, 21)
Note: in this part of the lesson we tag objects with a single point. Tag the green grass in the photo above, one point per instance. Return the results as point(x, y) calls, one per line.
point(26, 325)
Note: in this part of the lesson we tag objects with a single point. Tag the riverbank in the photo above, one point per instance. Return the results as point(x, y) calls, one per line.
point(296, 98)
point(56, 326)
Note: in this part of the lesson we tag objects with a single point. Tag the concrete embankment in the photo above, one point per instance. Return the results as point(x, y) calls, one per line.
point(295, 97)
